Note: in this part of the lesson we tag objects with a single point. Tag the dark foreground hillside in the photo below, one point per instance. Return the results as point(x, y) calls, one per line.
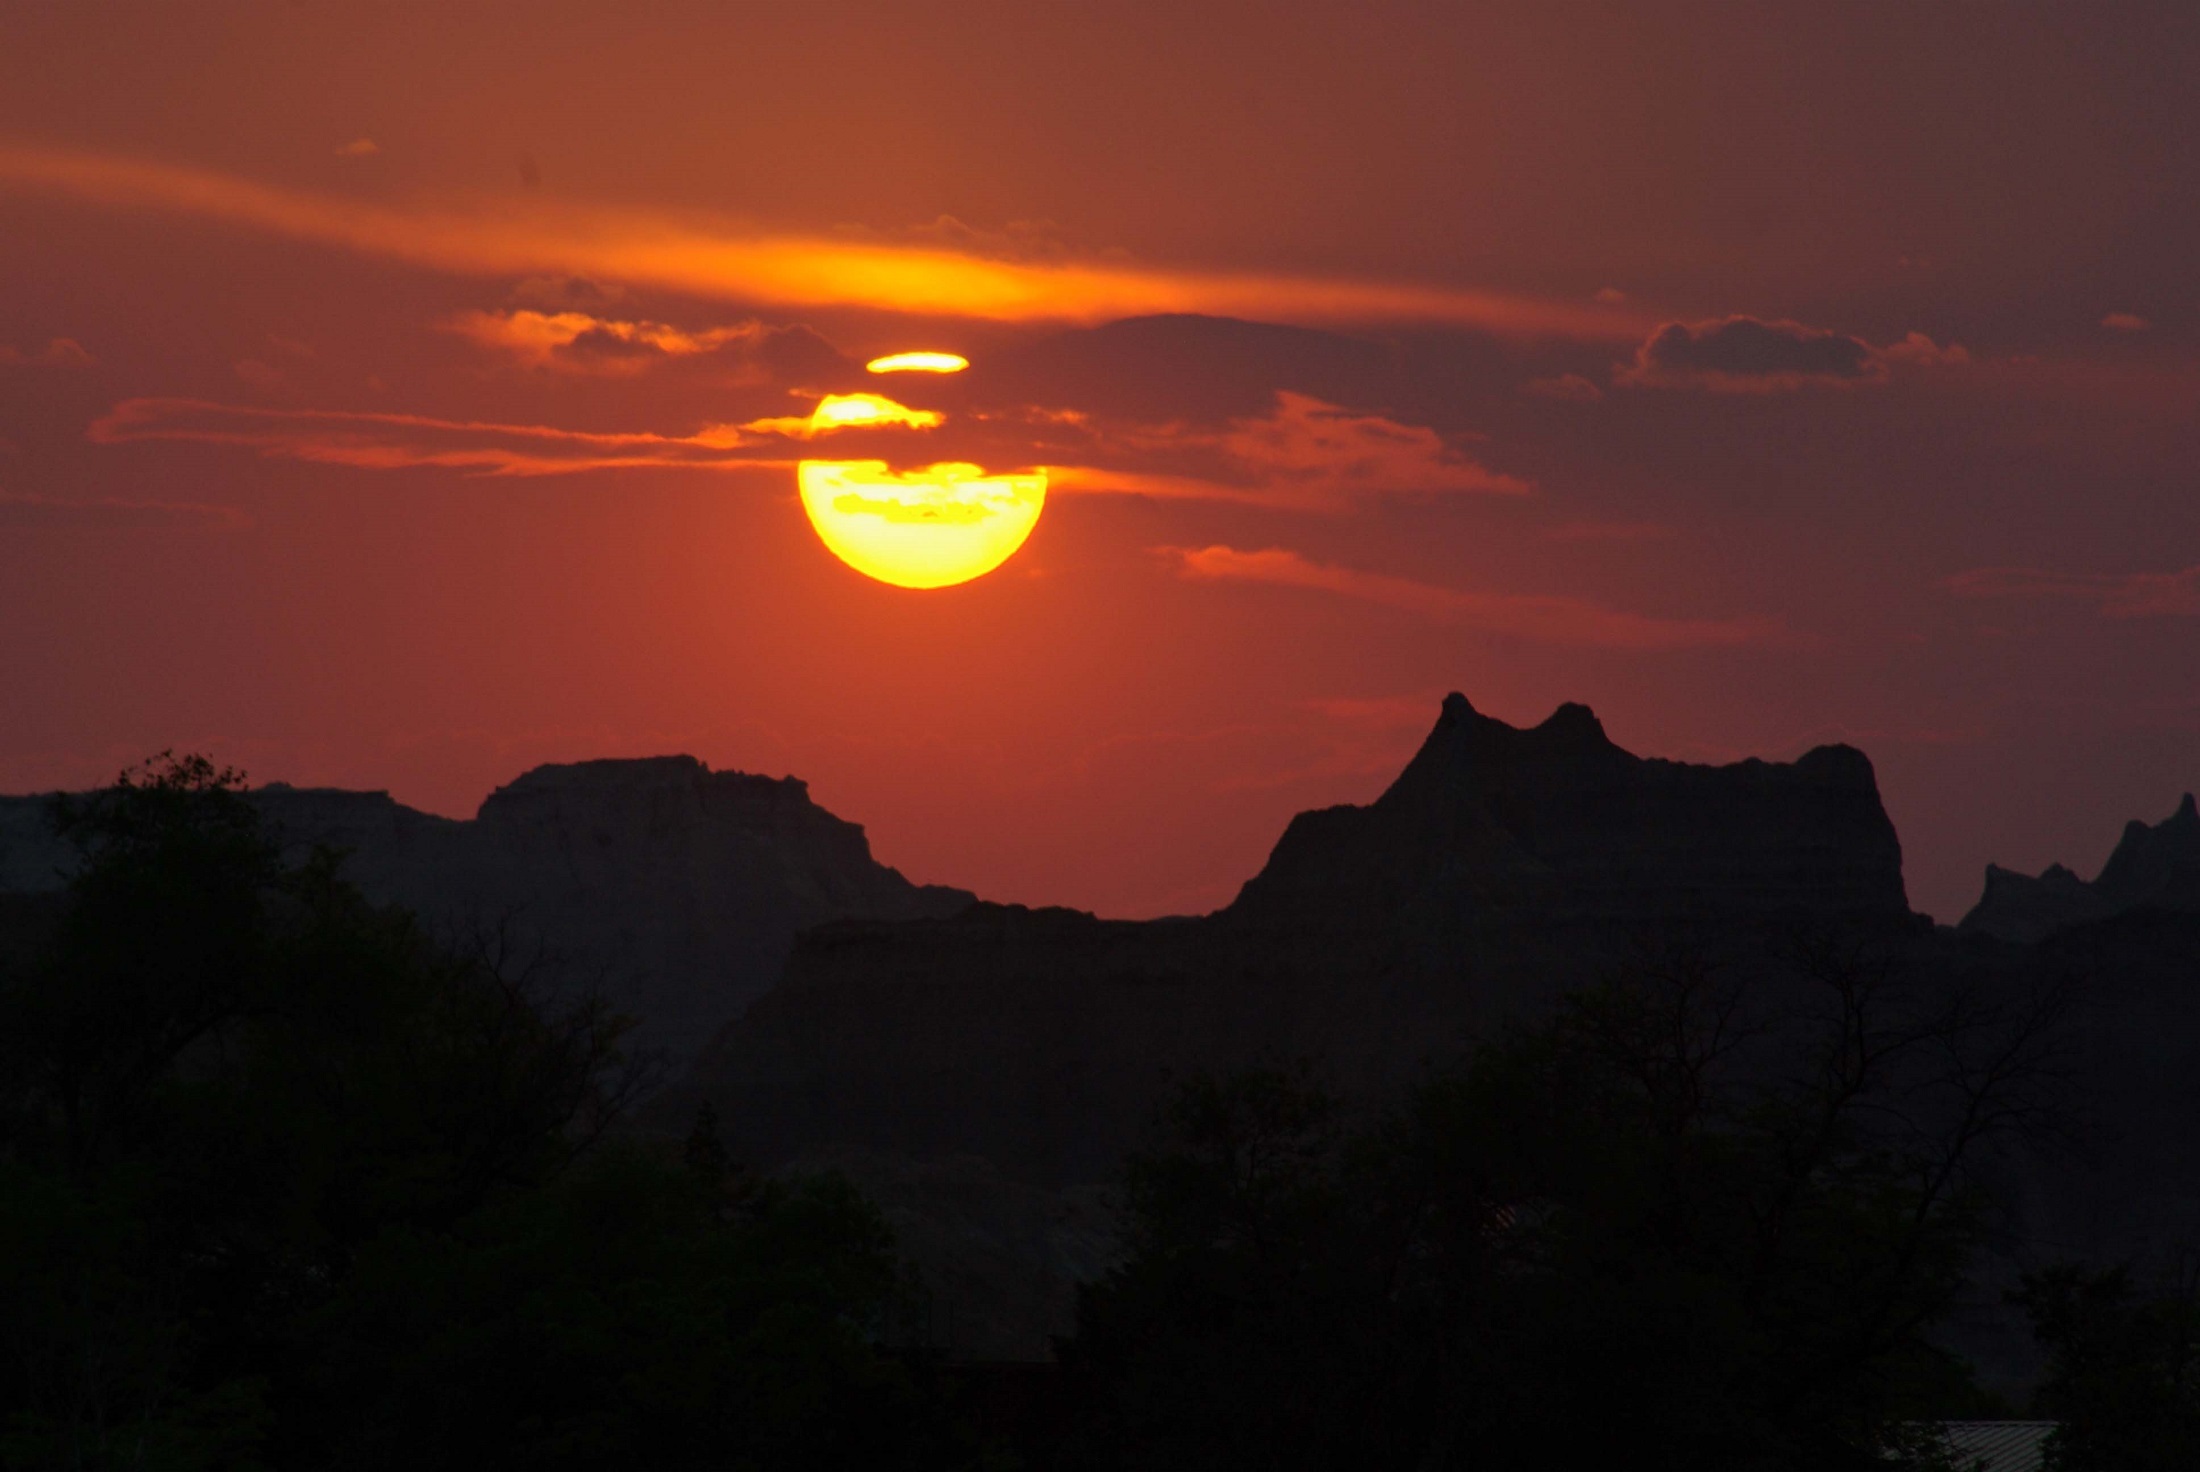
point(288, 1182)
point(1560, 1108)
point(986, 1072)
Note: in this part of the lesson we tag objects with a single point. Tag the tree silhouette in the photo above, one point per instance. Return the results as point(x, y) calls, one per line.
point(1693, 1221)
point(286, 1182)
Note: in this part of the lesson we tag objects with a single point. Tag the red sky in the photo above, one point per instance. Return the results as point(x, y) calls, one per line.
point(1760, 376)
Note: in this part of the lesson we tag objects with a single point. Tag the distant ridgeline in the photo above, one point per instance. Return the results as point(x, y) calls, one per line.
point(2153, 868)
point(674, 889)
point(1502, 868)
point(981, 1069)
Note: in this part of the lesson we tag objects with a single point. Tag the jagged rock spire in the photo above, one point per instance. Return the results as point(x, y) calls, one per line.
point(2153, 867)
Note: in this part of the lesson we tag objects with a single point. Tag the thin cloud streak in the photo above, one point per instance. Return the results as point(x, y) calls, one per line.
point(1308, 456)
point(20, 513)
point(1750, 355)
point(60, 352)
point(373, 441)
point(548, 339)
point(788, 270)
point(1322, 450)
point(1544, 618)
point(1304, 455)
point(1098, 480)
point(2115, 595)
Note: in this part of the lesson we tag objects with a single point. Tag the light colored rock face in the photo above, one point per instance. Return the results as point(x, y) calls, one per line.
point(2154, 867)
point(674, 889)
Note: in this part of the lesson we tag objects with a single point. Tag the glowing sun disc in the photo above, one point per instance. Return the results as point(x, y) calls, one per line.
point(927, 528)
point(918, 363)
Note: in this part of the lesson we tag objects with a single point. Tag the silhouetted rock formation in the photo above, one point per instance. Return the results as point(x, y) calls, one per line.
point(2152, 868)
point(982, 1068)
point(1502, 868)
point(675, 889)
point(2127, 1188)
point(1489, 823)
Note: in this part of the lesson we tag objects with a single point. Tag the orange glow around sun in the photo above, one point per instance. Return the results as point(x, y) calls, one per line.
point(918, 363)
point(926, 528)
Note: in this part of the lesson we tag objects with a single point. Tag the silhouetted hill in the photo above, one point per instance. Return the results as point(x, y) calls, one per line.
point(1503, 868)
point(981, 1069)
point(1489, 824)
point(2152, 868)
point(676, 889)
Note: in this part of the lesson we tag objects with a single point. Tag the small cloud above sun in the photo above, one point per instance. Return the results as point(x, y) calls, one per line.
point(918, 363)
point(359, 148)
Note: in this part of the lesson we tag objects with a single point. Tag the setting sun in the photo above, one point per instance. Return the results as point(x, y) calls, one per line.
point(926, 528)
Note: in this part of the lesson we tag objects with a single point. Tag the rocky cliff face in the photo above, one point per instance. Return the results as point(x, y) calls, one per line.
point(675, 889)
point(2152, 868)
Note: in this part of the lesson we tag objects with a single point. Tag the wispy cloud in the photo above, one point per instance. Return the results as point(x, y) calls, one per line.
point(581, 343)
point(1749, 355)
point(402, 441)
point(1571, 387)
point(840, 413)
point(2114, 595)
point(1102, 480)
point(2125, 322)
point(1543, 618)
point(761, 267)
point(572, 341)
point(1305, 454)
point(1920, 351)
point(61, 352)
point(1320, 450)
point(25, 512)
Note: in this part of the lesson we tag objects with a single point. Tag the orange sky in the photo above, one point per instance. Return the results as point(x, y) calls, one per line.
point(399, 397)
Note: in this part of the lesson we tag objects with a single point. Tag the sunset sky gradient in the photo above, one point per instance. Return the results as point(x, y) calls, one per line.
point(398, 397)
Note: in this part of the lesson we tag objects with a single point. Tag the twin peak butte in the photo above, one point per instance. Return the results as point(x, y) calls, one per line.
point(1491, 821)
point(1503, 868)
